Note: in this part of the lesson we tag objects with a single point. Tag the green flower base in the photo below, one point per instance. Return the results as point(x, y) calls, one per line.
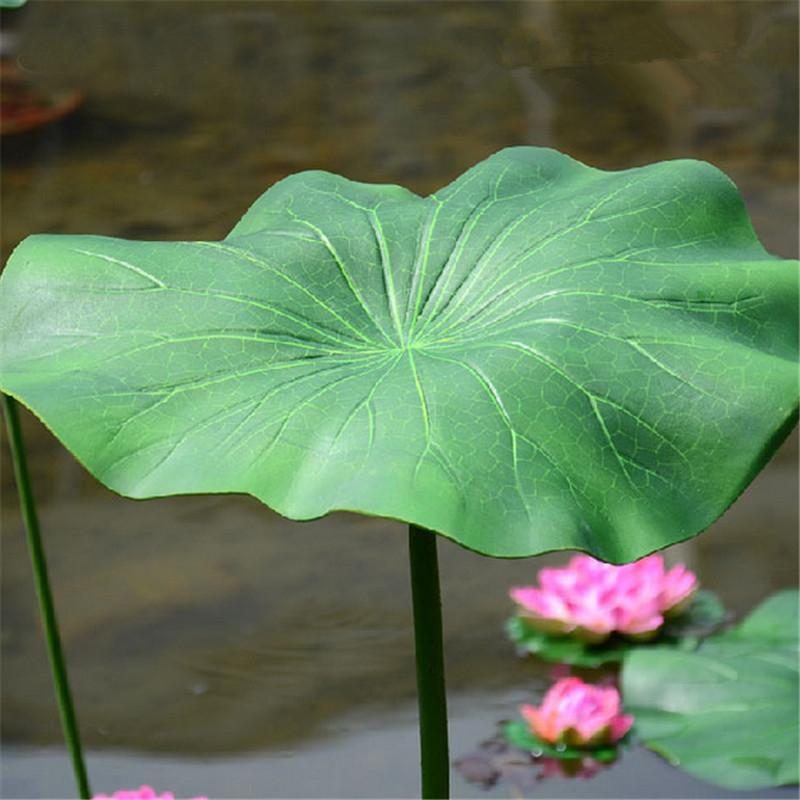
point(519, 735)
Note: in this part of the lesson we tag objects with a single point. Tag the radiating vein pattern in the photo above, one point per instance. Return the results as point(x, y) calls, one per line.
point(540, 355)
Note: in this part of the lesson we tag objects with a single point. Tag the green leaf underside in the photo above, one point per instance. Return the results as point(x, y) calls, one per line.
point(727, 712)
point(704, 614)
point(539, 356)
point(519, 735)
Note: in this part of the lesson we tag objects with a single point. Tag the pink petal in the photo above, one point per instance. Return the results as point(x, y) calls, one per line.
point(565, 688)
point(142, 793)
point(595, 623)
point(679, 584)
point(545, 611)
point(530, 714)
point(634, 622)
point(591, 731)
point(651, 566)
point(541, 603)
point(540, 724)
point(587, 565)
point(556, 580)
point(620, 726)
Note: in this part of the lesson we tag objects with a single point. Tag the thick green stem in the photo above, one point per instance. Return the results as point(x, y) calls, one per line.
point(46, 607)
point(430, 663)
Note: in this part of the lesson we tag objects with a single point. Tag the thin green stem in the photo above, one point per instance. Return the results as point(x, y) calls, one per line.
point(47, 609)
point(431, 693)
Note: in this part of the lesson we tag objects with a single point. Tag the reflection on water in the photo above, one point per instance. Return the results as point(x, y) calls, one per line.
point(208, 628)
point(364, 755)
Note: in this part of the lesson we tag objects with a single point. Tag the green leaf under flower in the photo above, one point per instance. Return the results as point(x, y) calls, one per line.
point(519, 735)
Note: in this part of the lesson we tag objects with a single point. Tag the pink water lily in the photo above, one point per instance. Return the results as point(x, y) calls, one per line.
point(578, 714)
point(592, 600)
point(142, 793)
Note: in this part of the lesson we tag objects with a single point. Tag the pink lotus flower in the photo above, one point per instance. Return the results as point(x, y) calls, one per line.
point(592, 600)
point(142, 793)
point(578, 714)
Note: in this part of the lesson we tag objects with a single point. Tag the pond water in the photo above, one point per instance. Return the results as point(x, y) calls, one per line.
point(215, 647)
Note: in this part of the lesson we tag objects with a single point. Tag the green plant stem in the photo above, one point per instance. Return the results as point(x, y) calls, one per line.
point(47, 609)
point(431, 693)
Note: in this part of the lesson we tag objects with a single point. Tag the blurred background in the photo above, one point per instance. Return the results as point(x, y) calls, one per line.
point(214, 647)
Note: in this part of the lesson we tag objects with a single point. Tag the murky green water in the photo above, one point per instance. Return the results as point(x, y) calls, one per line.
point(214, 647)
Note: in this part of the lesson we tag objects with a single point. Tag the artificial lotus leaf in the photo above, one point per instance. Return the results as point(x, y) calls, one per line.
point(704, 614)
point(520, 735)
point(728, 711)
point(539, 356)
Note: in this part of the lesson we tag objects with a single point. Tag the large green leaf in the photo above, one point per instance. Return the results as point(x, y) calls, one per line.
point(540, 356)
point(727, 712)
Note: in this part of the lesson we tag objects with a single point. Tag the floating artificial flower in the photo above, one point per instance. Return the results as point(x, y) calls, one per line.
point(142, 793)
point(592, 600)
point(578, 714)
